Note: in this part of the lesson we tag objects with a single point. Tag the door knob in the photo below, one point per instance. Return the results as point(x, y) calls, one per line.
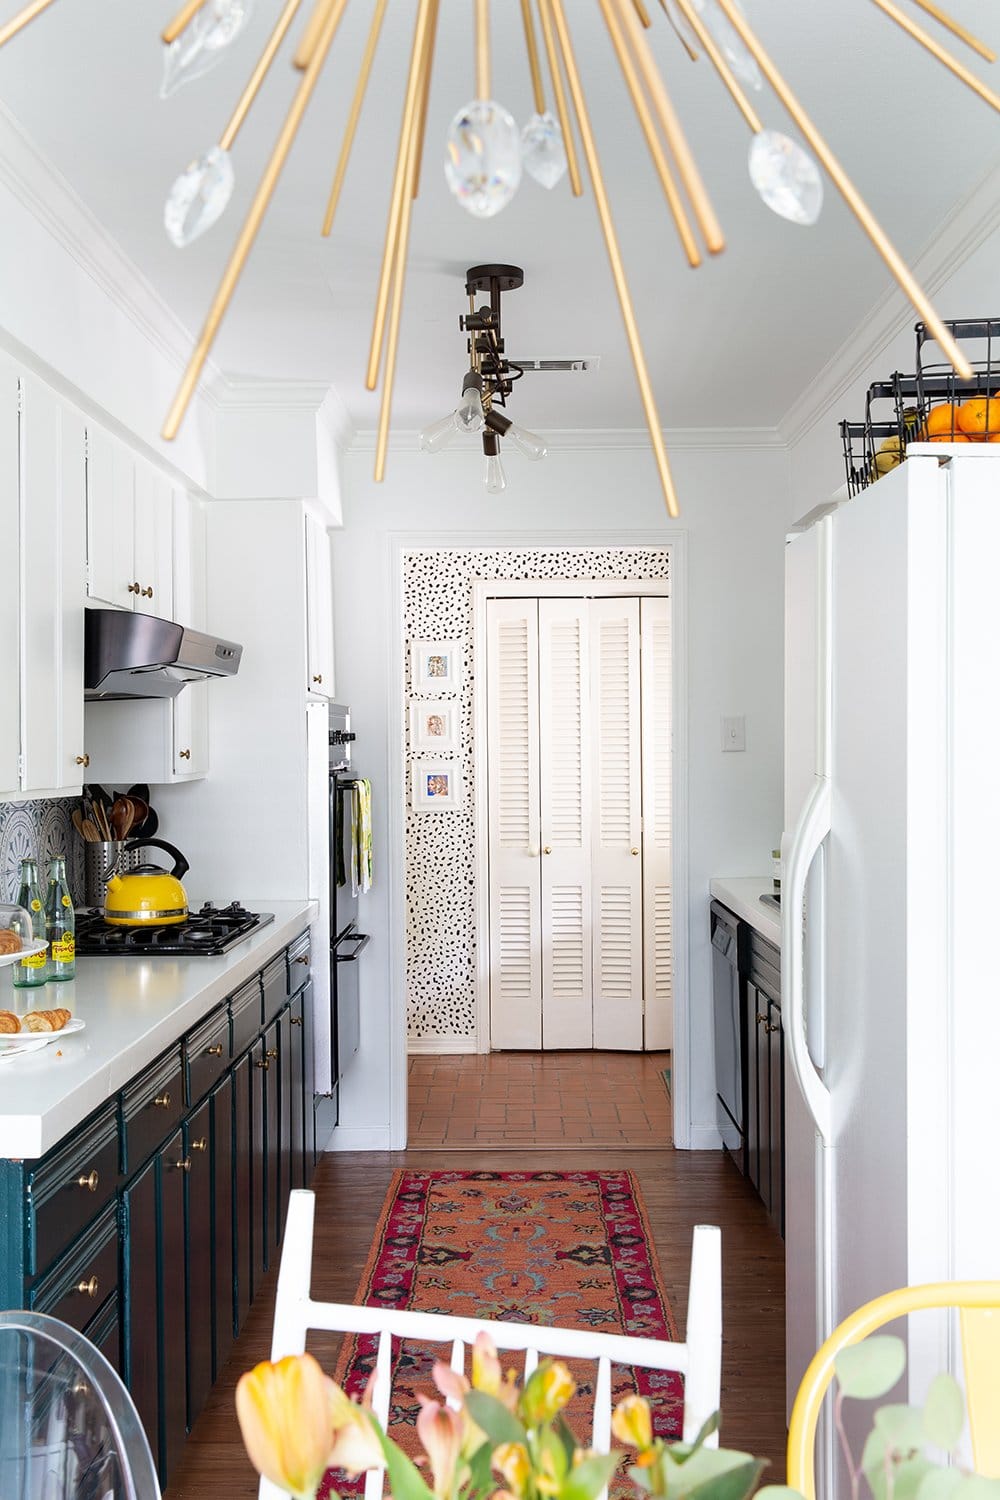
point(83, 760)
point(184, 754)
point(184, 1165)
point(147, 593)
point(89, 1181)
point(134, 588)
point(89, 1287)
point(201, 1145)
point(547, 849)
point(633, 851)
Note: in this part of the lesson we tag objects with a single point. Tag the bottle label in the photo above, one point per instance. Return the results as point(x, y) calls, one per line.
point(36, 905)
point(66, 901)
point(64, 949)
point(34, 961)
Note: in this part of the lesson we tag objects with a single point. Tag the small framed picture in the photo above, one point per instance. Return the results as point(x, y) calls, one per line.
point(436, 666)
point(434, 724)
point(437, 785)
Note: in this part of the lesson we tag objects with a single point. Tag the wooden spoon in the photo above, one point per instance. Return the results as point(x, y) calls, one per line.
point(78, 822)
point(91, 832)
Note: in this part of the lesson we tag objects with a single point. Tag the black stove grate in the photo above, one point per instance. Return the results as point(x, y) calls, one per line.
point(214, 929)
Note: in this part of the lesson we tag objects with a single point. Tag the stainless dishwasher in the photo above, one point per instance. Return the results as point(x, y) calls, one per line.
point(728, 1018)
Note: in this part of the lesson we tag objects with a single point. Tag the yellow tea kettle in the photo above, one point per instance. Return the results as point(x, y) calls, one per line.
point(147, 895)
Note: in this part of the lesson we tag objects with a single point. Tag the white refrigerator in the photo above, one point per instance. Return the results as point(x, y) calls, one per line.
point(891, 850)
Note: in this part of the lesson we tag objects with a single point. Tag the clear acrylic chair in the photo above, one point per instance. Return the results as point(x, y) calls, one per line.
point(68, 1427)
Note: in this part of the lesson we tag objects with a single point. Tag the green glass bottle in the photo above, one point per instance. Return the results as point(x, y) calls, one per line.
point(60, 922)
point(35, 970)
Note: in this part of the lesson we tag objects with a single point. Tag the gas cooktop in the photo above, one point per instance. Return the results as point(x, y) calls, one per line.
point(214, 929)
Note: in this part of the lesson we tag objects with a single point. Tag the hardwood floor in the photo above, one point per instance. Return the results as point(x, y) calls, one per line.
point(681, 1188)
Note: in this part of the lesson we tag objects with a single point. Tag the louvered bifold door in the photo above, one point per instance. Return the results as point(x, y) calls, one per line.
point(657, 813)
point(564, 740)
point(616, 823)
point(514, 864)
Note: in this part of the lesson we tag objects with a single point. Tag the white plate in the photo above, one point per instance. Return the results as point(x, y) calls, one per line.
point(15, 958)
point(13, 1043)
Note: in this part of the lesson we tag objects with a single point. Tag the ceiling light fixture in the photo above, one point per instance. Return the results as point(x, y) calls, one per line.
point(486, 154)
point(488, 381)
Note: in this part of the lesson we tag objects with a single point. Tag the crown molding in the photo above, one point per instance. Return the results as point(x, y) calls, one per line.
point(569, 439)
point(246, 393)
point(970, 223)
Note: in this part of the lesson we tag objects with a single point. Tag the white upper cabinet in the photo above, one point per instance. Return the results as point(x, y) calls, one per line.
point(129, 529)
point(189, 741)
point(319, 609)
point(10, 583)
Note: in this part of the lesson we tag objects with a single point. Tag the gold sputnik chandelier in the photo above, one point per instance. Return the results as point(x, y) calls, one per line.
point(484, 155)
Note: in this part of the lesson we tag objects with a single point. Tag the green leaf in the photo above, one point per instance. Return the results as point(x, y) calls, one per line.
point(405, 1481)
point(939, 1484)
point(868, 1370)
point(481, 1479)
point(708, 1466)
point(566, 1436)
point(588, 1479)
point(641, 1479)
point(944, 1412)
point(551, 1448)
point(902, 1427)
point(734, 1484)
point(778, 1492)
point(977, 1487)
point(499, 1424)
point(710, 1425)
point(909, 1476)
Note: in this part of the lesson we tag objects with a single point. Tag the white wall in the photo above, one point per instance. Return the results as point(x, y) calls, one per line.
point(734, 509)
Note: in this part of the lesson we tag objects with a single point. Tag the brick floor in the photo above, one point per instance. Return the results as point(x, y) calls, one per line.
point(546, 1100)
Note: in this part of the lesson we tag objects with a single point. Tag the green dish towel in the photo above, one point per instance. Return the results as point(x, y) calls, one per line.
point(361, 837)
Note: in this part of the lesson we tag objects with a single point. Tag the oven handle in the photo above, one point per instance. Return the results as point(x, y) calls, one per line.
point(361, 938)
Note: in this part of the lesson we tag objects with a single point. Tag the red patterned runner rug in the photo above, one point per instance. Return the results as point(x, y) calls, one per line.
point(571, 1249)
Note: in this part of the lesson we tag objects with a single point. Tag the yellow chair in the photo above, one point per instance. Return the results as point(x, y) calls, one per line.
point(979, 1304)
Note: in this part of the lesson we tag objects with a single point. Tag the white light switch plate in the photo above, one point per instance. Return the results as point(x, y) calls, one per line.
point(734, 733)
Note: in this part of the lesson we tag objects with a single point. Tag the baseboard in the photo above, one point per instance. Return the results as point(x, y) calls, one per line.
point(704, 1138)
point(361, 1138)
point(444, 1046)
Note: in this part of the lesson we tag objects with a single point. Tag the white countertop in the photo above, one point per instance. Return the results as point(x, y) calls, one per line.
point(742, 893)
point(133, 1008)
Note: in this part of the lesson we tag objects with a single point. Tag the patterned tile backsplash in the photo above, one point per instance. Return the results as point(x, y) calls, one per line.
point(39, 830)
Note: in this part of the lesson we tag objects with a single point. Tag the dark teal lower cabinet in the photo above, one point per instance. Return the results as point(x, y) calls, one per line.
point(151, 1227)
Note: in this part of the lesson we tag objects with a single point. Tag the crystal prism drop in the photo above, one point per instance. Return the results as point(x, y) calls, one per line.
point(543, 154)
point(483, 161)
point(199, 196)
point(202, 42)
point(730, 43)
point(786, 177)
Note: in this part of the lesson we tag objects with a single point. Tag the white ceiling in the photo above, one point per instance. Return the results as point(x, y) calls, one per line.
point(730, 345)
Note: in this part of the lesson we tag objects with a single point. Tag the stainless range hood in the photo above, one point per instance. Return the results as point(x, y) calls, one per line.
point(139, 656)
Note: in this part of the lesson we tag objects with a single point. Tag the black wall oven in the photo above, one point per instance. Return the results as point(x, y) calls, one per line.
point(347, 942)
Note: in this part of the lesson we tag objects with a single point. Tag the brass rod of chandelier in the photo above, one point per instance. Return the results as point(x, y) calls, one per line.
point(259, 73)
point(614, 256)
point(400, 187)
point(354, 114)
point(941, 53)
point(531, 42)
point(905, 279)
point(484, 82)
point(642, 13)
point(559, 95)
point(170, 32)
point(670, 125)
point(720, 65)
point(425, 94)
point(17, 23)
point(950, 24)
point(254, 219)
point(312, 33)
point(420, 61)
point(645, 118)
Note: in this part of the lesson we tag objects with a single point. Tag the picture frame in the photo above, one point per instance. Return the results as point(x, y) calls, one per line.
point(436, 785)
point(436, 666)
point(434, 724)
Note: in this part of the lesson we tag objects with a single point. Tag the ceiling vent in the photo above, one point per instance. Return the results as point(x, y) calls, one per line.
point(587, 363)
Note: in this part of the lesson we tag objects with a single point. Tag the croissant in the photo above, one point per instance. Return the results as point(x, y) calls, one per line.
point(9, 941)
point(46, 1020)
point(8, 1023)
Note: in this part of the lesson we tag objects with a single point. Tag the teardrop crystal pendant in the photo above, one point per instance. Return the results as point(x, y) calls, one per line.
point(786, 177)
point(483, 161)
point(543, 154)
point(730, 43)
point(202, 42)
point(199, 196)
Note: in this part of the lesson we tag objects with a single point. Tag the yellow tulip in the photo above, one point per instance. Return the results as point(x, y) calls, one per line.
point(512, 1463)
point(284, 1416)
point(547, 1392)
point(632, 1422)
point(440, 1431)
point(355, 1446)
point(486, 1374)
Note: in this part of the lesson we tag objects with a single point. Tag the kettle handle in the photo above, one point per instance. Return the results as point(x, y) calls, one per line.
point(181, 865)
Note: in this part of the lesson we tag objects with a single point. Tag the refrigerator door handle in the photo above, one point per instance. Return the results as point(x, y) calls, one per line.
point(797, 855)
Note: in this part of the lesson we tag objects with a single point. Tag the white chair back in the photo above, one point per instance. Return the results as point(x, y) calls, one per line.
point(698, 1359)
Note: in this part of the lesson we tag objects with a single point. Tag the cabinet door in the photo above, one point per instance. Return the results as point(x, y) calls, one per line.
point(141, 1341)
point(260, 1067)
point(286, 1062)
point(51, 532)
point(754, 1023)
point(776, 1140)
point(308, 1083)
point(190, 732)
point(153, 542)
point(110, 521)
point(299, 1102)
point(10, 582)
point(243, 1187)
point(190, 708)
point(172, 1276)
point(223, 1244)
point(657, 822)
point(199, 1255)
point(319, 609)
point(272, 1142)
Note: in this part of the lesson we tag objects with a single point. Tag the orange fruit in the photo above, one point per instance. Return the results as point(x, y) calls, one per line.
point(994, 437)
point(980, 417)
point(941, 422)
point(950, 437)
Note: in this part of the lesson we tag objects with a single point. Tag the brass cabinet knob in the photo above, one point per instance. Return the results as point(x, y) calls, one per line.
point(184, 754)
point(215, 1051)
point(88, 1288)
point(82, 760)
point(272, 1052)
point(547, 849)
point(162, 1101)
point(303, 958)
point(147, 593)
point(133, 588)
point(184, 1165)
point(761, 1018)
point(89, 1181)
point(771, 1026)
point(318, 677)
point(201, 1145)
point(633, 851)
point(263, 1064)
point(296, 1020)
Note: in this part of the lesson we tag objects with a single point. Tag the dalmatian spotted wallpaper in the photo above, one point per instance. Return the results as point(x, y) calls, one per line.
point(440, 848)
